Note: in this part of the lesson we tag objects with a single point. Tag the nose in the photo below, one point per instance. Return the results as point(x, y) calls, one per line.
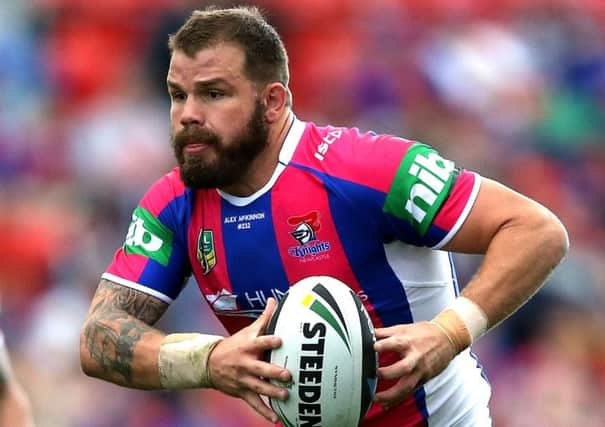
point(192, 113)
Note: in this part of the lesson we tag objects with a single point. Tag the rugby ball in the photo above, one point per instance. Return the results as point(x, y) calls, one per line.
point(328, 346)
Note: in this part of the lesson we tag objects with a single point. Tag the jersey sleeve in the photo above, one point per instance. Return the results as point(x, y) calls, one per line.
point(403, 187)
point(153, 258)
point(430, 195)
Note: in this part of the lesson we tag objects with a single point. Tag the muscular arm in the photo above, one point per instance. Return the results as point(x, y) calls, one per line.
point(522, 242)
point(118, 342)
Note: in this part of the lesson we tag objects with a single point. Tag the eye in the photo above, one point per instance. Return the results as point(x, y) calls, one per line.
point(178, 96)
point(215, 94)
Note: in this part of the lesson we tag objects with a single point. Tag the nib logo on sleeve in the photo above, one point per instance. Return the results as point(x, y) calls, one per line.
point(147, 236)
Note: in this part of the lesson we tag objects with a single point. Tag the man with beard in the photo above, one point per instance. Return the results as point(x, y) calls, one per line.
point(261, 199)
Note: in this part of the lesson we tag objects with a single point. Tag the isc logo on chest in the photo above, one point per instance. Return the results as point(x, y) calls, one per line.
point(433, 172)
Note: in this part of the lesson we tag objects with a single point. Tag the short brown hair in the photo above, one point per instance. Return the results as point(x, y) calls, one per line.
point(266, 59)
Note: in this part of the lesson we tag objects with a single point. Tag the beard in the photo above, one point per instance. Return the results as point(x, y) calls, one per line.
point(231, 162)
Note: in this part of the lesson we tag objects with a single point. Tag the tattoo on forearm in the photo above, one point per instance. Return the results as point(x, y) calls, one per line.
point(119, 317)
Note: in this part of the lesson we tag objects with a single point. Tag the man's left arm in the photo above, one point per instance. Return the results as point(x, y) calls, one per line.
point(522, 242)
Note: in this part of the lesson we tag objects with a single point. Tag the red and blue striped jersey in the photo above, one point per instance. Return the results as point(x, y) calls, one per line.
point(371, 210)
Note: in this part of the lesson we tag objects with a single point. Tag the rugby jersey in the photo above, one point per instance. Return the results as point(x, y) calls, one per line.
point(371, 210)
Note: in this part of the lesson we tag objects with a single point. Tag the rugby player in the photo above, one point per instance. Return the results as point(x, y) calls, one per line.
point(261, 199)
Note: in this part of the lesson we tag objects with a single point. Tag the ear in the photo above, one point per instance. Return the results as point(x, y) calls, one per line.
point(275, 99)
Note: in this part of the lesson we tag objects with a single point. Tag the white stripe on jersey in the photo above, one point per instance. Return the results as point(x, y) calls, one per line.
point(467, 208)
point(460, 394)
point(138, 287)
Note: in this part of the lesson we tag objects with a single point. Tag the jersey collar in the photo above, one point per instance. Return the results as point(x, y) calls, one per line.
point(286, 152)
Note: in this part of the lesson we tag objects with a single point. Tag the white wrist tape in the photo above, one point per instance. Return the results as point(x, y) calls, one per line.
point(472, 315)
point(183, 360)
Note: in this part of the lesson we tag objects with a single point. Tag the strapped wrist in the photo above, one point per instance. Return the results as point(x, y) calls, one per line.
point(183, 360)
point(472, 315)
point(463, 322)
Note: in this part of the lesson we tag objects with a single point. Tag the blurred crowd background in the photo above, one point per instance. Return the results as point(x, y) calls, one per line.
point(513, 89)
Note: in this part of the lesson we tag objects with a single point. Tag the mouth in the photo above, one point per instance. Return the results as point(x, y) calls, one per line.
point(195, 148)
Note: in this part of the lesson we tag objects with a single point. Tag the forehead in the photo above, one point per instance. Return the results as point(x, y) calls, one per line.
point(223, 60)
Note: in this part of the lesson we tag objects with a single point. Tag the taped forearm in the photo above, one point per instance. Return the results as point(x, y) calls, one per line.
point(463, 322)
point(183, 360)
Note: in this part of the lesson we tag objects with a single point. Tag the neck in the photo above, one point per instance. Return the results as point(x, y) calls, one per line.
point(264, 165)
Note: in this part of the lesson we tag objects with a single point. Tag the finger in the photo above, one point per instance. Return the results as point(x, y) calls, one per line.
point(264, 388)
point(270, 306)
point(261, 323)
point(385, 332)
point(399, 343)
point(269, 371)
point(399, 369)
point(395, 394)
point(266, 342)
point(259, 406)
